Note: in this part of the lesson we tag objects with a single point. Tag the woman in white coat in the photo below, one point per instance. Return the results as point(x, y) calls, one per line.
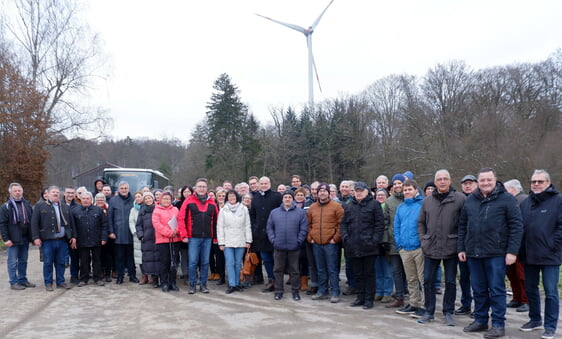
point(234, 234)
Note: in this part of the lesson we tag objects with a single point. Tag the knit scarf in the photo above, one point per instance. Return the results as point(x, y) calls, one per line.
point(232, 208)
point(15, 214)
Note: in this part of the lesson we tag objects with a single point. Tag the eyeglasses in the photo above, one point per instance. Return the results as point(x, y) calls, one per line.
point(538, 182)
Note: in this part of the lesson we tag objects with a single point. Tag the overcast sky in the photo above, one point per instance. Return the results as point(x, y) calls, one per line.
point(165, 55)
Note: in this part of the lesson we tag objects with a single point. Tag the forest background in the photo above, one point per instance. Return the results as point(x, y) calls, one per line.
point(507, 117)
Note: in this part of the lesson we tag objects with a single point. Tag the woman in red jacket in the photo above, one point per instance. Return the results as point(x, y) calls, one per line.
point(164, 220)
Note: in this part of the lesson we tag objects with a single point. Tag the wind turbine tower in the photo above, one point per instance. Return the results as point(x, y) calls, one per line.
point(308, 34)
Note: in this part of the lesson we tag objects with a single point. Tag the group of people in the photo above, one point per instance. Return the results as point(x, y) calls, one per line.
point(395, 238)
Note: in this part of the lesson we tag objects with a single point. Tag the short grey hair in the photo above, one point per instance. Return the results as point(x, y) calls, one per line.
point(442, 171)
point(123, 183)
point(13, 185)
point(541, 171)
point(88, 194)
point(100, 196)
point(514, 183)
point(382, 177)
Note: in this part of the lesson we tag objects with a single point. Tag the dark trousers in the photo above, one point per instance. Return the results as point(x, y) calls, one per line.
point(169, 260)
point(550, 277)
point(487, 277)
point(399, 276)
point(429, 270)
point(74, 262)
point(216, 260)
point(312, 271)
point(365, 282)
point(90, 255)
point(464, 281)
point(516, 275)
point(291, 258)
point(108, 257)
point(124, 257)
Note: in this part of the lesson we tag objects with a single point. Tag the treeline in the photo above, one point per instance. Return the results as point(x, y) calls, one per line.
point(506, 117)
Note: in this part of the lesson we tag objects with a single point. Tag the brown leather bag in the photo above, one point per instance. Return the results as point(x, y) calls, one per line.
point(250, 262)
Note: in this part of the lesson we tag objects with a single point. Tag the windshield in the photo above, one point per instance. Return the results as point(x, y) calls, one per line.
point(136, 180)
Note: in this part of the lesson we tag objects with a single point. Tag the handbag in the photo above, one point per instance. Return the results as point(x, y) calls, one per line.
point(250, 262)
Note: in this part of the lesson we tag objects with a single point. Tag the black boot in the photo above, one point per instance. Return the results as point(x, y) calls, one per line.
point(173, 278)
point(221, 280)
point(155, 284)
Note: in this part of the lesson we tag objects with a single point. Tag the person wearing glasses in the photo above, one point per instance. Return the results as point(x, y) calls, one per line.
point(542, 251)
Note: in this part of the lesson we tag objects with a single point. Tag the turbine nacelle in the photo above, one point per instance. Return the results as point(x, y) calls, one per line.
point(311, 64)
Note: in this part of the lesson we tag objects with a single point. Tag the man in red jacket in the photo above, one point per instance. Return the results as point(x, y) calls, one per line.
point(197, 224)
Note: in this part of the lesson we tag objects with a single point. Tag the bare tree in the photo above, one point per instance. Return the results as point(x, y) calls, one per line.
point(61, 57)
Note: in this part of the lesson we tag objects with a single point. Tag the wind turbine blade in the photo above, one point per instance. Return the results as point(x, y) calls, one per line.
point(316, 72)
point(291, 26)
point(320, 17)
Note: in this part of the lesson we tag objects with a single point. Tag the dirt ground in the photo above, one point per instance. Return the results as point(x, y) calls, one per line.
point(134, 311)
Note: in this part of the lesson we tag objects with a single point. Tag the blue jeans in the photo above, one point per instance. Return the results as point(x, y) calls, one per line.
point(384, 278)
point(464, 281)
point(17, 263)
point(54, 252)
point(487, 277)
point(267, 258)
point(199, 251)
point(326, 257)
point(430, 267)
point(233, 257)
point(550, 276)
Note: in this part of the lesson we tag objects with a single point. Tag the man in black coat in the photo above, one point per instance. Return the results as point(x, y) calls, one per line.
point(15, 228)
point(490, 231)
point(91, 233)
point(542, 251)
point(262, 204)
point(52, 227)
point(362, 228)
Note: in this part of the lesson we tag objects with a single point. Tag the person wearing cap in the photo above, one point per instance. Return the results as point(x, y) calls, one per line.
point(409, 246)
point(145, 233)
point(362, 229)
point(468, 185)
point(489, 237)
point(324, 217)
point(287, 227)
point(398, 273)
point(437, 229)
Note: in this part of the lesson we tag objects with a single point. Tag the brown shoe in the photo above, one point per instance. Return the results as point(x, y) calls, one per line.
point(144, 279)
point(304, 282)
point(49, 288)
point(398, 302)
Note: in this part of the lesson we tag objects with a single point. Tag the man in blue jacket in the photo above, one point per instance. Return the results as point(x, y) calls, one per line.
point(287, 227)
point(489, 236)
point(542, 251)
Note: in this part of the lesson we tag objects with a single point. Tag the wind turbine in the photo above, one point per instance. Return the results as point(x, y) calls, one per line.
point(308, 34)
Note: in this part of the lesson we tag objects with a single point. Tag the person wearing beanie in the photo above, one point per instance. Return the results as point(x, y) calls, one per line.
point(429, 188)
point(408, 175)
point(287, 227)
